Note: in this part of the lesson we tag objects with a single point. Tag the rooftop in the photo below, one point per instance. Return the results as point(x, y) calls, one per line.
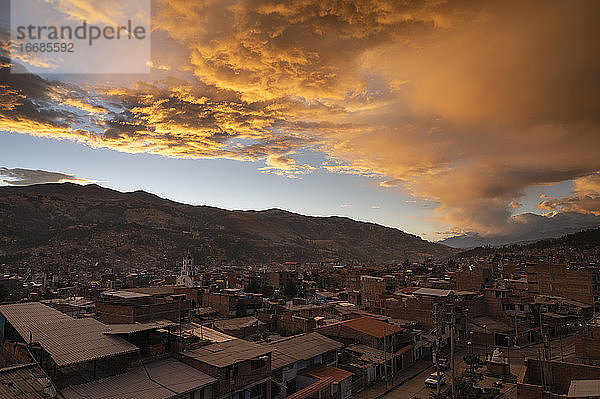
point(326, 372)
point(24, 381)
point(368, 354)
point(123, 294)
point(239, 322)
point(137, 327)
point(208, 334)
point(169, 379)
point(67, 340)
point(584, 389)
point(311, 389)
point(485, 324)
point(226, 353)
point(370, 326)
point(300, 347)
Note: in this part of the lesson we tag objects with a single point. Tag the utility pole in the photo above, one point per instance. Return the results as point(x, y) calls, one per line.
point(385, 359)
point(562, 353)
point(436, 346)
point(452, 347)
point(508, 341)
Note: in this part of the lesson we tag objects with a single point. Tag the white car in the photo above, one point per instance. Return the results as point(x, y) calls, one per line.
point(433, 380)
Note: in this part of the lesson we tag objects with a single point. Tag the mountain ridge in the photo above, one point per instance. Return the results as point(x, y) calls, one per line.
point(66, 223)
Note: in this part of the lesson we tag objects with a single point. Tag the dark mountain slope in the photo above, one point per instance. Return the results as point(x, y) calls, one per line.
point(69, 224)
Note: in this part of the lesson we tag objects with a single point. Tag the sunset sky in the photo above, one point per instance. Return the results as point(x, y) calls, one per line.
point(436, 117)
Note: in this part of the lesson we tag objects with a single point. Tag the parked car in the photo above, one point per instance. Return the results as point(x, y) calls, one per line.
point(434, 379)
point(444, 364)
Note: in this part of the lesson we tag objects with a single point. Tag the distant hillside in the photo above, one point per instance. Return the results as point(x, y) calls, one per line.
point(584, 243)
point(527, 228)
point(69, 224)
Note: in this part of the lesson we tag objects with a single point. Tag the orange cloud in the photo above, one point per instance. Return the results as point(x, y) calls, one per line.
point(586, 199)
point(466, 104)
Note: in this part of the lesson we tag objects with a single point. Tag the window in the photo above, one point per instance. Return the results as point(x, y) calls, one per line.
point(291, 386)
point(256, 391)
point(231, 371)
point(257, 364)
point(329, 357)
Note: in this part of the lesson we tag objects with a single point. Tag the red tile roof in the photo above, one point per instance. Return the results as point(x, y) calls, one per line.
point(371, 326)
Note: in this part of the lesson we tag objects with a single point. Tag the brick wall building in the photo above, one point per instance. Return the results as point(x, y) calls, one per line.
point(551, 380)
point(579, 284)
point(140, 308)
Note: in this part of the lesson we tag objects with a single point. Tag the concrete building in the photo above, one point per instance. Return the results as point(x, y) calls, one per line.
point(295, 354)
point(242, 369)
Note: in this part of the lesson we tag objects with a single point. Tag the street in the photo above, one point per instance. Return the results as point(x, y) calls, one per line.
point(415, 388)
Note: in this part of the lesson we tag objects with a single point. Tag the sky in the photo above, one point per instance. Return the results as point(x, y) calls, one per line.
point(436, 117)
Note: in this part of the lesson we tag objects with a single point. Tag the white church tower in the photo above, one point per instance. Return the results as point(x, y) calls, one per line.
point(189, 274)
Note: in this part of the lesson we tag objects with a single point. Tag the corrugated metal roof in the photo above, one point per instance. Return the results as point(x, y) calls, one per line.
point(279, 360)
point(301, 347)
point(24, 381)
point(67, 340)
point(135, 384)
point(367, 353)
point(226, 353)
point(113, 329)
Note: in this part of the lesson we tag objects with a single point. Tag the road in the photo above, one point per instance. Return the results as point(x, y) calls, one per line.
point(415, 388)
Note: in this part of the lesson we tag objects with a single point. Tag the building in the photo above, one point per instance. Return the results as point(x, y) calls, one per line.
point(324, 382)
point(474, 277)
point(581, 284)
point(368, 365)
point(294, 354)
point(167, 378)
point(366, 330)
point(242, 369)
point(283, 278)
point(587, 342)
point(76, 307)
point(374, 290)
point(188, 276)
point(69, 350)
point(233, 302)
point(241, 327)
point(114, 307)
point(25, 381)
point(553, 380)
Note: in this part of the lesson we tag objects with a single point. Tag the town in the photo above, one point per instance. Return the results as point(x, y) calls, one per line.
point(467, 327)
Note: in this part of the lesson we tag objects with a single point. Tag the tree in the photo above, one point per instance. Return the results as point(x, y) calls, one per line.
point(472, 360)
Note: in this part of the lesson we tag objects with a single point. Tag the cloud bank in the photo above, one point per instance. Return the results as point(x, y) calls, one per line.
point(463, 103)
